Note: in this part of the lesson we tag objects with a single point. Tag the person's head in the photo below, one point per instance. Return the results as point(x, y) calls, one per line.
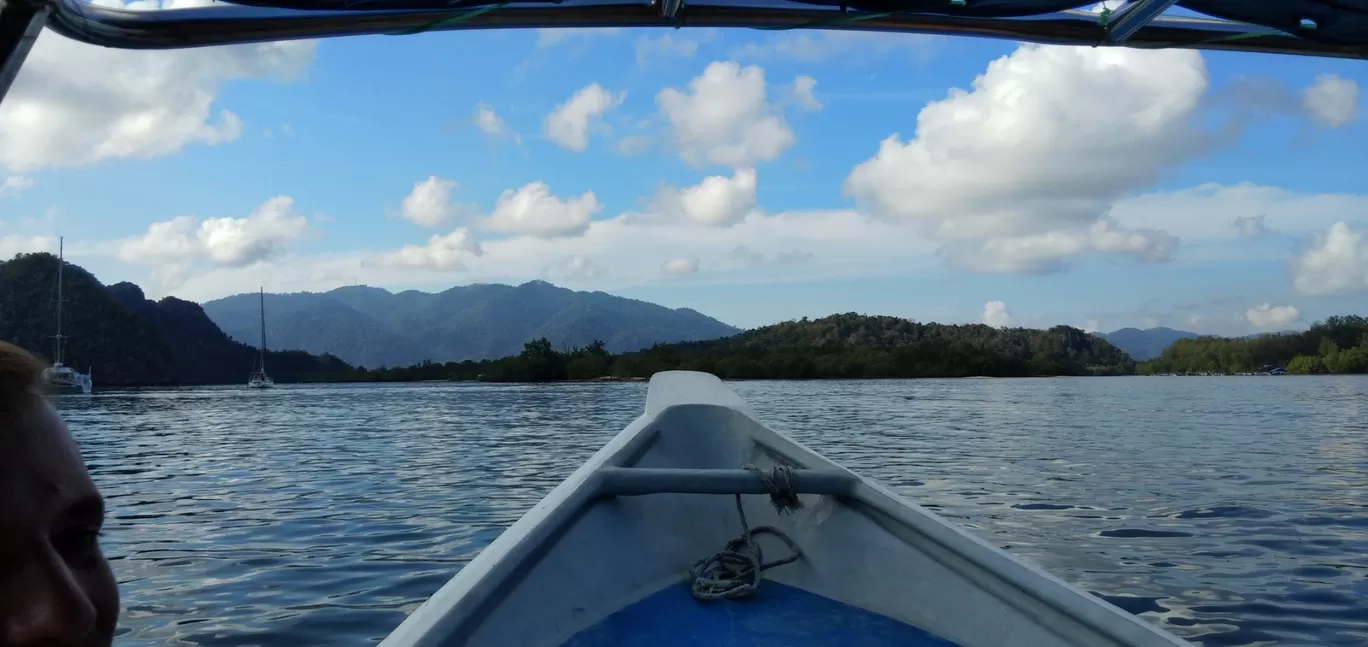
point(56, 588)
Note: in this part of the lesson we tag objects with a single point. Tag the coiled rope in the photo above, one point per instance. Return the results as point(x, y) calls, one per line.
point(734, 572)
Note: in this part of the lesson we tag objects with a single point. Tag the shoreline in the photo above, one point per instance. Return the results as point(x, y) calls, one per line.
point(120, 387)
point(607, 379)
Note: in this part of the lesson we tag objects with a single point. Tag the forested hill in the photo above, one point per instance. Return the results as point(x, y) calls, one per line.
point(839, 346)
point(853, 346)
point(1337, 345)
point(117, 346)
point(126, 339)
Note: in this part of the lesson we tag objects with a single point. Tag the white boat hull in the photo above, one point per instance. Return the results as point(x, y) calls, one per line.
point(64, 379)
point(619, 536)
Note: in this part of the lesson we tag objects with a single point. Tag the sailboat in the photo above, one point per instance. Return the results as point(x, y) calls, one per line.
point(259, 379)
point(59, 377)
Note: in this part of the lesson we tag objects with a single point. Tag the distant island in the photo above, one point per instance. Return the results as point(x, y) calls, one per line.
point(129, 340)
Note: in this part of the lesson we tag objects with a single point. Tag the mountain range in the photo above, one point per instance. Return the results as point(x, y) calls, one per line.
point(1147, 344)
point(373, 327)
point(123, 338)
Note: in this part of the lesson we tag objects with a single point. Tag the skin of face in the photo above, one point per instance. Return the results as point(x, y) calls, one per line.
point(56, 588)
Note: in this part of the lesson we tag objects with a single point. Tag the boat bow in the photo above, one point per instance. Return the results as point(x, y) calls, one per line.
point(620, 536)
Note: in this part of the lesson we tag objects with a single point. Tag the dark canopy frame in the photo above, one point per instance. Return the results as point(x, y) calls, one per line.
point(1322, 28)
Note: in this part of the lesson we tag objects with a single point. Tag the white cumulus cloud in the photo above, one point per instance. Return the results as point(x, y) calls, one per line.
point(489, 121)
point(1331, 102)
point(717, 201)
point(802, 93)
point(995, 314)
point(223, 242)
point(1336, 264)
point(568, 125)
point(429, 203)
point(1271, 318)
point(533, 210)
point(75, 104)
point(724, 118)
point(1028, 163)
point(443, 252)
point(169, 241)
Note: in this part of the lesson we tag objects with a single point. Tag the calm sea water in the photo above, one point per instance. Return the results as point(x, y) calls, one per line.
point(1230, 511)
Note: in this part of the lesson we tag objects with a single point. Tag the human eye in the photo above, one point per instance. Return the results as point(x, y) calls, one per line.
point(79, 537)
point(78, 542)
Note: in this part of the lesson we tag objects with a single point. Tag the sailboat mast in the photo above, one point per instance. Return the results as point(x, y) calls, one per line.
point(57, 338)
point(262, 293)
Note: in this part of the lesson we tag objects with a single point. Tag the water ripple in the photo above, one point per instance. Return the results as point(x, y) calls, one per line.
point(1230, 511)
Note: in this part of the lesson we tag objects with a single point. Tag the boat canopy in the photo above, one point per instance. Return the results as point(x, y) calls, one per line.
point(1323, 28)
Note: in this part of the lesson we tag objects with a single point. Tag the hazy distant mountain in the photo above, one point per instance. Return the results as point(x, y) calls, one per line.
point(373, 327)
point(1143, 345)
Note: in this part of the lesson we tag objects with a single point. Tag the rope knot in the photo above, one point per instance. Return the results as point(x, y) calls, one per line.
point(734, 572)
point(779, 482)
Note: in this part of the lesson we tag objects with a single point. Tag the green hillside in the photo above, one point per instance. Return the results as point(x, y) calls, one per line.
point(839, 346)
point(1337, 345)
point(126, 339)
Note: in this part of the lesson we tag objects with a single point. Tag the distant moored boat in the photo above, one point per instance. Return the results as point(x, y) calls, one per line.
point(59, 377)
point(259, 379)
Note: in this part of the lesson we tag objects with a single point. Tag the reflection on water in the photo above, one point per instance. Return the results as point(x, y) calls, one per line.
point(1231, 511)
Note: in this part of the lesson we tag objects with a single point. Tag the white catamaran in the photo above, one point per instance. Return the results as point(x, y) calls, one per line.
point(259, 379)
point(59, 377)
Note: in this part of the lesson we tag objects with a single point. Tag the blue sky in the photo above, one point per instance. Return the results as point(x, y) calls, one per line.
point(754, 176)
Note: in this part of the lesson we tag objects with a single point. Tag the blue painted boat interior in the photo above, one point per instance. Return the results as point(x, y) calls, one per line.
point(778, 616)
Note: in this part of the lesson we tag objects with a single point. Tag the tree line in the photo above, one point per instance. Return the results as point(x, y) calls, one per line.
point(850, 346)
point(1337, 345)
point(839, 346)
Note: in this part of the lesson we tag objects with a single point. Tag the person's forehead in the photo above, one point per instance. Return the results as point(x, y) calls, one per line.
point(40, 466)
